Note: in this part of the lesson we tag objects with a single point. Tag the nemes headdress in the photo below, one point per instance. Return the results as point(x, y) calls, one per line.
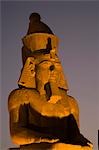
point(39, 40)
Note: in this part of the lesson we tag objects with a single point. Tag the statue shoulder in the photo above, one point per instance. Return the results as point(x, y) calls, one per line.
point(21, 96)
point(74, 108)
point(72, 101)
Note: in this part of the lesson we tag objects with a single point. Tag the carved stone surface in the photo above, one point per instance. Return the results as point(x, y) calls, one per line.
point(31, 41)
point(42, 114)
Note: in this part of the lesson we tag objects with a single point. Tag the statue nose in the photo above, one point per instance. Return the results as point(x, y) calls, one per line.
point(52, 67)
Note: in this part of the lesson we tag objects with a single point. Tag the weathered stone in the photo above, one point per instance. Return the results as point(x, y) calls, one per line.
point(42, 114)
point(39, 41)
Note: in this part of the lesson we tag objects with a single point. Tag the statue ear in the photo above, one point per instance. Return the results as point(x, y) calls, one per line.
point(27, 77)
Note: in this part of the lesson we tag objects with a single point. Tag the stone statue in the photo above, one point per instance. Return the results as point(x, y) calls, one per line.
point(42, 114)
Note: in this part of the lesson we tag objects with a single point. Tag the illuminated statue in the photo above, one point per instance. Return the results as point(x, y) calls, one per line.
point(42, 114)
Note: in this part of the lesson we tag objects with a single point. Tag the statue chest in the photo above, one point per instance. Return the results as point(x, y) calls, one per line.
point(49, 116)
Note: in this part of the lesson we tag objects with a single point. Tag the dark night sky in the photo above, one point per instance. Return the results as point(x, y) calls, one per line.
point(77, 26)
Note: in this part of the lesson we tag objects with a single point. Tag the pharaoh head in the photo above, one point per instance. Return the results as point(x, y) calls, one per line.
point(40, 60)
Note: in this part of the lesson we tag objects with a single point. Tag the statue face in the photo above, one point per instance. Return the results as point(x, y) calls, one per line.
point(49, 71)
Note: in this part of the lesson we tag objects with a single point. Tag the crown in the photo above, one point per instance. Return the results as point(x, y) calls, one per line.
point(39, 41)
